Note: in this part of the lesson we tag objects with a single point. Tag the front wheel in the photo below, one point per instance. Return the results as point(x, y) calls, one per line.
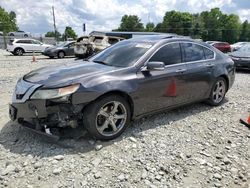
point(61, 54)
point(107, 117)
point(218, 92)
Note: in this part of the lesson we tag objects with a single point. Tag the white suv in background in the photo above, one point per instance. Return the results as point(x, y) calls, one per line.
point(21, 46)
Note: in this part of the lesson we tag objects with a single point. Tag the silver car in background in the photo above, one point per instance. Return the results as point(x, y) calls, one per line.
point(20, 34)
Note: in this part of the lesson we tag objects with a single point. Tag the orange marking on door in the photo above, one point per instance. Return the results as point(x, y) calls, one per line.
point(171, 89)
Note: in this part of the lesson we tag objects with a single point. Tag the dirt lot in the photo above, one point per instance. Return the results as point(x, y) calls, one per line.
point(194, 146)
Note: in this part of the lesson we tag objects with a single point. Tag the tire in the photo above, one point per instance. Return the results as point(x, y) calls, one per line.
point(218, 92)
point(12, 35)
point(25, 35)
point(107, 118)
point(61, 54)
point(19, 51)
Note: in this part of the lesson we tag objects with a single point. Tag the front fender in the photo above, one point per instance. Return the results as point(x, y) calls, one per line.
point(86, 95)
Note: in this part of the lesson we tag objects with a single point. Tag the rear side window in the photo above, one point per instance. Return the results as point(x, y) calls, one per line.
point(209, 54)
point(24, 41)
point(98, 39)
point(36, 42)
point(192, 52)
point(169, 54)
point(112, 40)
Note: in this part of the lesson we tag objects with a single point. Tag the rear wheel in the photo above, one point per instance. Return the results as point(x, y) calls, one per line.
point(61, 54)
point(218, 92)
point(18, 51)
point(107, 117)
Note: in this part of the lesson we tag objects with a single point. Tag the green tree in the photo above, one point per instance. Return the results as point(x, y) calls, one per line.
point(52, 34)
point(131, 23)
point(176, 22)
point(158, 28)
point(69, 33)
point(212, 21)
point(245, 31)
point(230, 28)
point(150, 27)
point(7, 21)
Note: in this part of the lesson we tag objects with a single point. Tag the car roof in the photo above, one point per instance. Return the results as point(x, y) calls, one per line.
point(164, 37)
point(24, 39)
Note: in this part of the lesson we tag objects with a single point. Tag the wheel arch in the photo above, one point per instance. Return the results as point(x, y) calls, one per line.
point(122, 94)
point(227, 80)
point(60, 51)
point(18, 47)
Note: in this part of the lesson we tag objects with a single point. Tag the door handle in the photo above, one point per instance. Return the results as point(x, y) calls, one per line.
point(209, 65)
point(181, 70)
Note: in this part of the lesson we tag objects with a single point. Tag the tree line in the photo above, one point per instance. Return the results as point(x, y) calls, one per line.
point(207, 25)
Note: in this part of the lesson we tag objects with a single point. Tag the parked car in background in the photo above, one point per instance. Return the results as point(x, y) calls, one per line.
point(17, 34)
point(241, 57)
point(21, 46)
point(210, 42)
point(61, 50)
point(237, 45)
point(85, 46)
point(222, 46)
point(1, 33)
point(128, 80)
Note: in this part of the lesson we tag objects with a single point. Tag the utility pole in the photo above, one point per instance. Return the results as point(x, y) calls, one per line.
point(54, 19)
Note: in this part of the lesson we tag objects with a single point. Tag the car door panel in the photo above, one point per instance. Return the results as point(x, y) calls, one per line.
point(165, 88)
point(199, 71)
point(161, 89)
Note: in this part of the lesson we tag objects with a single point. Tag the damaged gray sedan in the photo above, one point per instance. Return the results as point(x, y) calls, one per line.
point(128, 80)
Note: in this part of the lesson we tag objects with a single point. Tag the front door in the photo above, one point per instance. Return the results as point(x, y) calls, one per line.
point(165, 88)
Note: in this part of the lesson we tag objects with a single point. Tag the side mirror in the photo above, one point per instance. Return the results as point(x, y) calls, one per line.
point(155, 65)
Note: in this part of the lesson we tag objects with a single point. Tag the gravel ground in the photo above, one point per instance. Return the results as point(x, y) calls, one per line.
point(194, 146)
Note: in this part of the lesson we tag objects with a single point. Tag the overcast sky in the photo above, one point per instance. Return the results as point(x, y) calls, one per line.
point(36, 16)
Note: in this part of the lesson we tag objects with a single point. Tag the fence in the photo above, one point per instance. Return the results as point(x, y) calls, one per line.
point(46, 40)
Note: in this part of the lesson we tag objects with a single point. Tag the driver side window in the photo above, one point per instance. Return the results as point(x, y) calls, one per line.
point(169, 54)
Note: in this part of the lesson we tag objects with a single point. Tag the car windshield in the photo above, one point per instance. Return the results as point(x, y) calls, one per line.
point(122, 54)
point(245, 48)
point(62, 44)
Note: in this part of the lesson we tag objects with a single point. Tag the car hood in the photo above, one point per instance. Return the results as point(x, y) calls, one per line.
point(66, 74)
point(48, 45)
point(240, 54)
point(50, 48)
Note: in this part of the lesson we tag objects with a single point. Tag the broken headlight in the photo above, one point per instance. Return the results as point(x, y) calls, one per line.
point(54, 93)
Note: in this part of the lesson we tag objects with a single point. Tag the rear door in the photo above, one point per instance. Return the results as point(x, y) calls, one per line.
point(26, 44)
point(165, 88)
point(200, 62)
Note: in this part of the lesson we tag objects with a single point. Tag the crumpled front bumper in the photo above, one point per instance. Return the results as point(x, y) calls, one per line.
point(28, 110)
point(59, 112)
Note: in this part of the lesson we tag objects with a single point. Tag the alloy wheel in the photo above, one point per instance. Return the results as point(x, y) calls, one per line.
point(61, 55)
point(19, 52)
point(219, 91)
point(111, 118)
